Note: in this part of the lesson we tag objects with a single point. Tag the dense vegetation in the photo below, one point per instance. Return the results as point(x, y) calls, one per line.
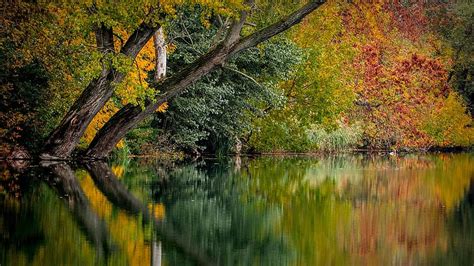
point(384, 75)
point(377, 76)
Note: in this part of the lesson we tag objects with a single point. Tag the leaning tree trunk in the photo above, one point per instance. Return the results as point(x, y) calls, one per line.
point(129, 116)
point(66, 136)
point(62, 141)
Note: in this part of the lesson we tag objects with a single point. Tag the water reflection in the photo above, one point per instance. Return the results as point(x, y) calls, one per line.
point(351, 209)
point(107, 182)
point(63, 181)
point(368, 210)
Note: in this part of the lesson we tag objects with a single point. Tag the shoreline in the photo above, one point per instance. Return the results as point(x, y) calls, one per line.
point(183, 156)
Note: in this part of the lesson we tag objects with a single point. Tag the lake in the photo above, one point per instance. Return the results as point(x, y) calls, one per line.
point(268, 210)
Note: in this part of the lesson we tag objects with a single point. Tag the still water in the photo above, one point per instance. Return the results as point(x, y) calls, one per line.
point(341, 210)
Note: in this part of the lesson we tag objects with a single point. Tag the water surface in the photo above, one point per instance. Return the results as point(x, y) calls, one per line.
point(340, 210)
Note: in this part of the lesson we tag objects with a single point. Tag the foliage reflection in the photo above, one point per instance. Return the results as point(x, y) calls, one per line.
point(351, 209)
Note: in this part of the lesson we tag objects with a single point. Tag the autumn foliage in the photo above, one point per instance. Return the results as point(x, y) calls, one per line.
point(378, 67)
point(403, 80)
point(374, 74)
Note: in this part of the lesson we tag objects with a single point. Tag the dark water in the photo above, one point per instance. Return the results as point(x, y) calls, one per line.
point(345, 210)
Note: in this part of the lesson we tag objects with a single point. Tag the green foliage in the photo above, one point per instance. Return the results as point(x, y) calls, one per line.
point(278, 134)
point(287, 135)
point(138, 140)
point(217, 110)
point(319, 90)
point(450, 126)
point(342, 138)
point(455, 23)
point(24, 96)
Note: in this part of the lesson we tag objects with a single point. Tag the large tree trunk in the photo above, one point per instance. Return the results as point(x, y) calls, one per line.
point(129, 116)
point(66, 136)
point(130, 113)
point(62, 141)
point(114, 130)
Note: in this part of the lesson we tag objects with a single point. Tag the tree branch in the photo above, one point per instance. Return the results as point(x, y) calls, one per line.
point(278, 27)
point(120, 39)
point(104, 37)
point(244, 75)
point(138, 39)
point(129, 116)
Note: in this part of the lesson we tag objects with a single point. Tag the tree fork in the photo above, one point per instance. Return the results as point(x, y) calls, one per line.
point(64, 138)
point(129, 116)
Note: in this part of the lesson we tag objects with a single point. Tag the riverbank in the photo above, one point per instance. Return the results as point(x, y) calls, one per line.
point(22, 154)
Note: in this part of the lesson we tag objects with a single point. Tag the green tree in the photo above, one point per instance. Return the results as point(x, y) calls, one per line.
point(454, 23)
point(217, 110)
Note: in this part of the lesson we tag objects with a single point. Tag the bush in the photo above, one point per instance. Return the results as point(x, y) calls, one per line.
point(451, 125)
point(342, 138)
point(272, 136)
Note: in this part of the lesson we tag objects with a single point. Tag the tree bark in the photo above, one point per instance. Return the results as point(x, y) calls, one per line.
point(129, 116)
point(160, 51)
point(67, 134)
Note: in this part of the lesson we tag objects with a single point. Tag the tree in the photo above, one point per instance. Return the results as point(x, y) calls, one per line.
point(376, 77)
point(402, 82)
point(129, 116)
point(109, 59)
point(65, 137)
point(454, 22)
point(318, 92)
point(216, 110)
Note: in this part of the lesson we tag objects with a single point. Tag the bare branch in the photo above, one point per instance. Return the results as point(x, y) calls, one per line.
point(122, 42)
point(244, 75)
point(160, 51)
point(250, 24)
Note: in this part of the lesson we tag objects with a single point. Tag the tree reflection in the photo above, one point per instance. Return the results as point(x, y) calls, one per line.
point(64, 182)
point(415, 209)
point(51, 213)
point(203, 200)
point(366, 210)
point(117, 194)
point(460, 226)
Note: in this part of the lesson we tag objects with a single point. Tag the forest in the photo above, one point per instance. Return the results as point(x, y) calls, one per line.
point(194, 77)
point(237, 132)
